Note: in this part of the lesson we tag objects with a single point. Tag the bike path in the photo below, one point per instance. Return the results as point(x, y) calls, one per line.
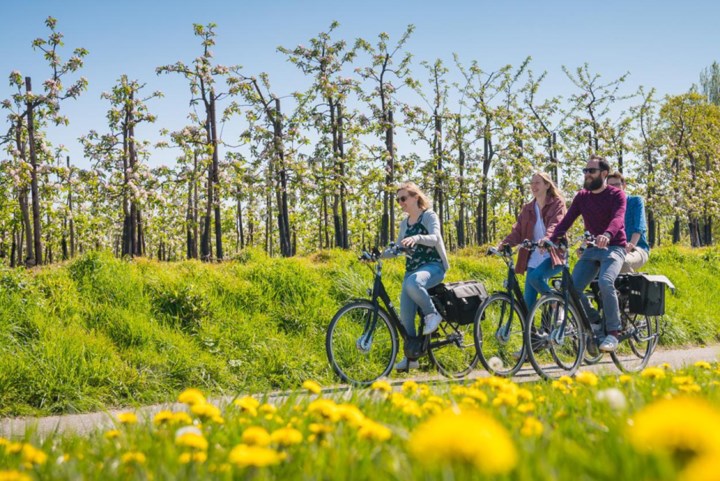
point(86, 423)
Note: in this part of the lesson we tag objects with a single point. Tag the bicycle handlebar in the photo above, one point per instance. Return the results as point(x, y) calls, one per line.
point(508, 251)
point(375, 255)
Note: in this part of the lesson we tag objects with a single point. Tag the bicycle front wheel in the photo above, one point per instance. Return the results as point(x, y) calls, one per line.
point(452, 349)
point(637, 342)
point(361, 346)
point(554, 337)
point(499, 335)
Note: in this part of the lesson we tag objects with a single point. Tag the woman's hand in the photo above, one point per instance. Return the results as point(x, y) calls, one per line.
point(629, 247)
point(408, 241)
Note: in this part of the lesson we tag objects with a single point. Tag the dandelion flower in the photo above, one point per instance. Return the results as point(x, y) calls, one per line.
point(243, 455)
point(206, 410)
point(133, 457)
point(525, 408)
point(586, 377)
point(681, 424)
point(703, 468)
point(13, 476)
point(532, 428)
point(163, 417)
point(350, 414)
point(625, 379)
point(256, 436)
point(191, 397)
point(374, 431)
point(286, 436)
point(192, 440)
point(325, 408)
point(409, 387)
point(31, 455)
point(127, 418)
point(381, 386)
point(312, 386)
point(653, 373)
point(111, 434)
point(181, 418)
point(471, 437)
point(703, 365)
point(195, 457)
point(248, 405)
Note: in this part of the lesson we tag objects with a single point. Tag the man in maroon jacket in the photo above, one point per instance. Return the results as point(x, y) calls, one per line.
point(603, 210)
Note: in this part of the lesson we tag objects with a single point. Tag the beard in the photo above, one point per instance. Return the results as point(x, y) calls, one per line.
point(593, 184)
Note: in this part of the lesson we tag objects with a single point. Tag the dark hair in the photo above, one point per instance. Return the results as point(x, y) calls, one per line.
point(617, 175)
point(602, 163)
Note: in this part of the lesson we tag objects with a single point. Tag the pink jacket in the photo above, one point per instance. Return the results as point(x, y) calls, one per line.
point(552, 213)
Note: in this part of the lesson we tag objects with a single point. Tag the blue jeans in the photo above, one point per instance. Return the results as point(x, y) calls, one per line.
point(415, 294)
point(536, 281)
point(608, 262)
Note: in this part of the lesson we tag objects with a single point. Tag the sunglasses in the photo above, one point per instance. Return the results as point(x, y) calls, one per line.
point(402, 199)
point(591, 170)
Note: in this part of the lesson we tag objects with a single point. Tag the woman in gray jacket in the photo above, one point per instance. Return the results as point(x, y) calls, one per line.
point(425, 268)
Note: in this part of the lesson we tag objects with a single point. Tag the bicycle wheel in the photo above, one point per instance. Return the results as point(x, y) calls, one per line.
point(358, 353)
point(499, 338)
point(452, 349)
point(637, 342)
point(588, 358)
point(551, 352)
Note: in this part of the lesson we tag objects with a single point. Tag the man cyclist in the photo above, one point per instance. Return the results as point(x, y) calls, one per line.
point(603, 211)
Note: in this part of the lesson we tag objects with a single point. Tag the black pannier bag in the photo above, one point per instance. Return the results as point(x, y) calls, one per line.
point(647, 294)
point(459, 301)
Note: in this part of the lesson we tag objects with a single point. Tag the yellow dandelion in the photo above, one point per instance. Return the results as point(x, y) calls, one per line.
point(410, 387)
point(689, 388)
point(191, 397)
point(525, 395)
point(680, 380)
point(192, 440)
point(243, 455)
point(381, 386)
point(653, 373)
point(31, 455)
point(318, 428)
point(248, 405)
point(468, 402)
point(525, 408)
point(181, 418)
point(469, 437)
point(508, 399)
point(350, 414)
point(541, 399)
point(163, 417)
point(703, 365)
point(312, 386)
point(477, 394)
point(111, 434)
point(127, 418)
point(665, 366)
point(205, 410)
point(429, 407)
point(198, 457)
point(13, 476)
point(625, 379)
point(133, 457)
point(256, 436)
point(703, 468)
point(532, 428)
point(374, 431)
point(268, 409)
point(423, 390)
point(286, 436)
point(587, 378)
point(681, 424)
point(325, 408)
point(561, 386)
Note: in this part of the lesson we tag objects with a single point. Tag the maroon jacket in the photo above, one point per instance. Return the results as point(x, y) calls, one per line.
point(552, 213)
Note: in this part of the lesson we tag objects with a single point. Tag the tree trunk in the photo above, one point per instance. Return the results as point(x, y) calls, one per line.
point(437, 155)
point(37, 237)
point(460, 223)
point(215, 185)
point(281, 192)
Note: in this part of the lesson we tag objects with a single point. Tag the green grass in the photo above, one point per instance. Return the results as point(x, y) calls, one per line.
point(99, 332)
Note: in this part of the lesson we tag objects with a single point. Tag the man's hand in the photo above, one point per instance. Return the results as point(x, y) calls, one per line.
point(629, 247)
point(408, 241)
point(602, 241)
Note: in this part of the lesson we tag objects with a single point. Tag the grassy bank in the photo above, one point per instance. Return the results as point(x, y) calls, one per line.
point(100, 332)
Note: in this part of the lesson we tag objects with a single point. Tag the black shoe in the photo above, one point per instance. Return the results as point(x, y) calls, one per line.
point(591, 346)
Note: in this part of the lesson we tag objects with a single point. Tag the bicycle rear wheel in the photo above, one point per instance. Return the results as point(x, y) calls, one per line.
point(359, 353)
point(637, 342)
point(551, 352)
point(452, 349)
point(499, 338)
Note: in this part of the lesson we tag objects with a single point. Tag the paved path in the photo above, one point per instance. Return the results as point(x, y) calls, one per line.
point(85, 423)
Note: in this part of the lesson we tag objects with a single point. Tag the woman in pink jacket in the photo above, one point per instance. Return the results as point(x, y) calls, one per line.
point(537, 220)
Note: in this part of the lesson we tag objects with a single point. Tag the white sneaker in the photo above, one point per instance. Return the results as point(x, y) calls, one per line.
point(432, 321)
point(405, 365)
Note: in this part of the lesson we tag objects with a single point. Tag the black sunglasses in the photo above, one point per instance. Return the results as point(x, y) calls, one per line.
point(402, 199)
point(591, 170)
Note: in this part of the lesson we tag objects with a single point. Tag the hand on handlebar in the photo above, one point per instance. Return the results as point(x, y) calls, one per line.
point(602, 241)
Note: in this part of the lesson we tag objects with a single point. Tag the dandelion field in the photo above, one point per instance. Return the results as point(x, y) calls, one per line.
point(657, 425)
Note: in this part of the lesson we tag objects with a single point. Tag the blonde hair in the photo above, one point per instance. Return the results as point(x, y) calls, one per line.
point(414, 191)
point(553, 190)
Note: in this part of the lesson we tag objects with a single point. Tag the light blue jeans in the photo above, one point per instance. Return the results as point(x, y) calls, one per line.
point(608, 262)
point(415, 294)
point(536, 281)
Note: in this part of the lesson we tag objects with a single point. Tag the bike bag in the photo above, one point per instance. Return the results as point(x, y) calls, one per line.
point(647, 294)
point(459, 301)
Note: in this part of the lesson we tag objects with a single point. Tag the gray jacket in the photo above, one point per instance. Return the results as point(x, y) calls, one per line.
point(433, 239)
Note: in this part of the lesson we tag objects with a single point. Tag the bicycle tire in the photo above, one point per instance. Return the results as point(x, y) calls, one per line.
point(637, 342)
point(500, 355)
point(452, 350)
point(553, 359)
point(352, 363)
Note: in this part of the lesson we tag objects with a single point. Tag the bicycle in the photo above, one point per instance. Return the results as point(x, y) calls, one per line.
point(503, 352)
point(362, 338)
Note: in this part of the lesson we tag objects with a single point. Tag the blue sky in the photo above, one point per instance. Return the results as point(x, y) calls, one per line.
point(662, 44)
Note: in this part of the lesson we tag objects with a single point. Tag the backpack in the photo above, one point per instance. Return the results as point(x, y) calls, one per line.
point(459, 301)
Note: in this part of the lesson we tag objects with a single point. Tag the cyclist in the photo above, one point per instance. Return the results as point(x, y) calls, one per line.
point(603, 210)
point(425, 268)
point(537, 220)
point(637, 250)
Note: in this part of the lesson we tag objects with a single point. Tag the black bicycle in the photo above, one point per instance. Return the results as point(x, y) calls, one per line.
point(500, 322)
point(362, 338)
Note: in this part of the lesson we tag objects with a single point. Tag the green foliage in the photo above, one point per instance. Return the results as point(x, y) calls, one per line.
point(100, 332)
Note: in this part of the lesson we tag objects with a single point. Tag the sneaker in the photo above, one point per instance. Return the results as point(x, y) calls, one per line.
point(362, 345)
point(609, 344)
point(406, 365)
point(432, 321)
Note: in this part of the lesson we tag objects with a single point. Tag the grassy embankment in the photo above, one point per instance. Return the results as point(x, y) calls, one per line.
point(99, 332)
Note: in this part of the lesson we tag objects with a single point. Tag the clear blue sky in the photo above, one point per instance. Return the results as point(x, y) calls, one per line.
point(663, 44)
